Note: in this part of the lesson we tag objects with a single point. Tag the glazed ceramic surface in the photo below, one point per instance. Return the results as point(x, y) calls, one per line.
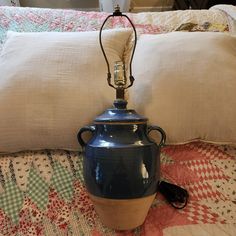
point(120, 160)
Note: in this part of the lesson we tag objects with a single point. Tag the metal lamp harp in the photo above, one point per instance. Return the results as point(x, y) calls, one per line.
point(120, 87)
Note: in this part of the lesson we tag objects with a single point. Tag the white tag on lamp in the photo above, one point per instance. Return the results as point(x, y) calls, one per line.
point(108, 5)
point(14, 3)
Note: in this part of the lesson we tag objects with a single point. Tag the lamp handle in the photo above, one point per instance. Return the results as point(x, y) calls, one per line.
point(90, 128)
point(161, 131)
point(131, 78)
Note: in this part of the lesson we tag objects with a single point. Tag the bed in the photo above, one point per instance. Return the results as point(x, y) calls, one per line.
point(42, 191)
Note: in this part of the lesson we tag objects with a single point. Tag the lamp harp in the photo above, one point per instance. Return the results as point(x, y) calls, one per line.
point(119, 89)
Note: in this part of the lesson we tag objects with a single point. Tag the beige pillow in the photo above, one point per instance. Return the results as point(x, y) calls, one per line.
point(52, 84)
point(186, 83)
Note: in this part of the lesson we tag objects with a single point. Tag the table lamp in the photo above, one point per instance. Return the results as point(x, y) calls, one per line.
point(121, 163)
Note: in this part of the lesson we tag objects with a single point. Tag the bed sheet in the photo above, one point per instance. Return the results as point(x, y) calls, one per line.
point(43, 193)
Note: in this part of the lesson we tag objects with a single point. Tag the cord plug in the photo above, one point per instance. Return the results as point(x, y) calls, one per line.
point(175, 195)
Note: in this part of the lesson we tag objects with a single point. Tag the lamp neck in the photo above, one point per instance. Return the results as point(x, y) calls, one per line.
point(120, 104)
point(120, 93)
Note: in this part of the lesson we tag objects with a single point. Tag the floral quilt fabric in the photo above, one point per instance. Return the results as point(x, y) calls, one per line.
point(43, 193)
point(37, 20)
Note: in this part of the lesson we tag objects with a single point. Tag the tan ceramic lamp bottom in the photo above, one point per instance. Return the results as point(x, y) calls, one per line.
point(122, 214)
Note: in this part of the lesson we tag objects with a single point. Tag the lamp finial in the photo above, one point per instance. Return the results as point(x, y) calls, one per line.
point(117, 11)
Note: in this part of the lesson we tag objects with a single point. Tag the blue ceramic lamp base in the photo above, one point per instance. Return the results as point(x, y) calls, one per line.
point(121, 166)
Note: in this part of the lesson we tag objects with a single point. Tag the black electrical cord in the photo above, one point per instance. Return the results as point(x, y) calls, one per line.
point(175, 195)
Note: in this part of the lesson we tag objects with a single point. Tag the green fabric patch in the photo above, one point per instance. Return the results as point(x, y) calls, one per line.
point(37, 189)
point(11, 200)
point(62, 181)
point(79, 169)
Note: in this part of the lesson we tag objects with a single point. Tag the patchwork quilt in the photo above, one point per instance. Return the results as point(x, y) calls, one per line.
point(43, 193)
point(37, 20)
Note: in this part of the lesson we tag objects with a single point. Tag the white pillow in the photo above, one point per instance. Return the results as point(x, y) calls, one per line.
point(52, 84)
point(186, 84)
